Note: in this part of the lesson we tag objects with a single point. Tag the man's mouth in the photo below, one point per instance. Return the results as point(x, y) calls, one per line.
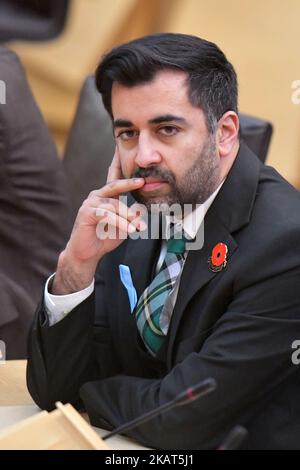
point(152, 183)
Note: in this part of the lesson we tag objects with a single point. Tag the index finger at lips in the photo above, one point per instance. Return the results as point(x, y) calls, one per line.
point(117, 187)
point(114, 170)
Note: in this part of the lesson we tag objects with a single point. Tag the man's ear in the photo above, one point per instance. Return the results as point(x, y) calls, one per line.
point(228, 133)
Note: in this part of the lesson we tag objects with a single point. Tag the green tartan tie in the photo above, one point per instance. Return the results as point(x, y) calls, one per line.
point(150, 305)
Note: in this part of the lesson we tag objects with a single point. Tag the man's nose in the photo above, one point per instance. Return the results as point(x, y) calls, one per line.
point(147, 152)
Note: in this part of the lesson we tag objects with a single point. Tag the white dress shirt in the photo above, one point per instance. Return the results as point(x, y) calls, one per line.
point(58, 306)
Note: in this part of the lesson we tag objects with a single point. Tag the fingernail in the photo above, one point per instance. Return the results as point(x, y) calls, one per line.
point(138, 180)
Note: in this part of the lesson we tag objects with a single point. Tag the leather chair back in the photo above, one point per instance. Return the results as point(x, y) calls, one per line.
point(32, 20)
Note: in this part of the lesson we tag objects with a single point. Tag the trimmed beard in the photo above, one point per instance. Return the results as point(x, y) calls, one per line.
point(194, 187)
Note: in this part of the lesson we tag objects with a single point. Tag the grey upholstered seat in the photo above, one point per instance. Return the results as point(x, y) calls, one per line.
point(31, 19)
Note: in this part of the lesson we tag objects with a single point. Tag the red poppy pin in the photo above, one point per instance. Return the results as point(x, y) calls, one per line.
point(218, 259)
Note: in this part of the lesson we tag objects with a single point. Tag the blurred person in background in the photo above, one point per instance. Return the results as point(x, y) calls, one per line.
point(34, 212)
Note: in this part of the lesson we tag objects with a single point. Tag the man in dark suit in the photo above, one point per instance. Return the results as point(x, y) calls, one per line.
point(161, 318)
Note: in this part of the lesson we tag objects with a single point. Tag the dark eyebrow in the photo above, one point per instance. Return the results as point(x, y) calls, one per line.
point(122, 123)
point(166, 118)
point(157, 120)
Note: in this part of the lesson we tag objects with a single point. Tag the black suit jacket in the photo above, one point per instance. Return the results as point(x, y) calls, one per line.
point(237, 326)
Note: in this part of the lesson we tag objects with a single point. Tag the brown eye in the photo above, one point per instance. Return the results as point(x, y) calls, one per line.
point(168, 130)
point(127, 135)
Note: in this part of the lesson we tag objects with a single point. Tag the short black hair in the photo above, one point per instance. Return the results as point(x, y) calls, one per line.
point(212, 80)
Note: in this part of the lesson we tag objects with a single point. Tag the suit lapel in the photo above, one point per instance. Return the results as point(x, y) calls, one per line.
point(230, 211)
point(197, 273)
